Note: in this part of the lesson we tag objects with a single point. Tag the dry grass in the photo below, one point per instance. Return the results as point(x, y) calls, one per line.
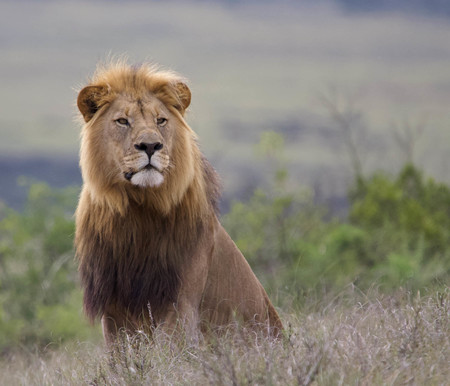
point(351, 339)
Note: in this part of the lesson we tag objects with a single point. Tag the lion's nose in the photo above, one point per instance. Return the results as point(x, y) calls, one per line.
point(149, 148)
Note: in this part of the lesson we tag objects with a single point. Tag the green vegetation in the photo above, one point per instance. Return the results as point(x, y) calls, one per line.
point(40, 301)
point(397, 234)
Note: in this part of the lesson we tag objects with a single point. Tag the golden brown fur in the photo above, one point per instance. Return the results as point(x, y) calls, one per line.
point(150, 248)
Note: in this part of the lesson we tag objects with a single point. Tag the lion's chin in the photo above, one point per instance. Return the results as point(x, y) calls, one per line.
point(147, 178)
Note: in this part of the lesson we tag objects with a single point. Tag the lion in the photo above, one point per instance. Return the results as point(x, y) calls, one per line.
point(150, 248)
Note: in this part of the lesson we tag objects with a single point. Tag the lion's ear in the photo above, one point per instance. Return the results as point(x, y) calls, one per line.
point(89, 100)
point(184, 96)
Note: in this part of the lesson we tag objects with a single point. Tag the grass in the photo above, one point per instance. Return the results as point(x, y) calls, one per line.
point(351, 339)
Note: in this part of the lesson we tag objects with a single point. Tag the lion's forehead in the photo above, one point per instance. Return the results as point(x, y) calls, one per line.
point(138, 107)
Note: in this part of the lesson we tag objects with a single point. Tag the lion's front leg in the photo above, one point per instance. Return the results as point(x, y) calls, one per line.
point(181, 323)
point(114, 322)
point(183, 318)
point(111, 328)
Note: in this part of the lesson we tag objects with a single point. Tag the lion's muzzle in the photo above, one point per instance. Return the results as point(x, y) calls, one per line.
point(145, 166)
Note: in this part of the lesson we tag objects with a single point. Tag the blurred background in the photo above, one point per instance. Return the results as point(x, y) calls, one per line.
point(328, 122)
point(253, 66)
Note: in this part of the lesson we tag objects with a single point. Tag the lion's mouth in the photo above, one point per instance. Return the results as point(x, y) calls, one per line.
point(129, 175)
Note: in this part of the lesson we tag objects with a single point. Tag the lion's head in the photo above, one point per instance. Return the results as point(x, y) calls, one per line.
point(135, 137)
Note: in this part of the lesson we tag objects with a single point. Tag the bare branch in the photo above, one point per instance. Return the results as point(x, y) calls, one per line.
point(348, 121)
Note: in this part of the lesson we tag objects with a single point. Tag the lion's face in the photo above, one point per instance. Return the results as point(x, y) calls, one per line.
point(135, 134)
point(139, 136)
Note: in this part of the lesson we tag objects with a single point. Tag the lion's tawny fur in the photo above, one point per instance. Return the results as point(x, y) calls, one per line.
point(155, 254)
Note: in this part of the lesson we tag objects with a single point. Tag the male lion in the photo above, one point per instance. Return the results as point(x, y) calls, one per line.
point(151, 250)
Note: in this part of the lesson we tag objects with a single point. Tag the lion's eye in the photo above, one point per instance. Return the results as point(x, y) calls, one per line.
point(122, 121)
point(161, 121)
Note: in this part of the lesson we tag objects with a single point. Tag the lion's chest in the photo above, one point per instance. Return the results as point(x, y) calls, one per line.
point(131, 267)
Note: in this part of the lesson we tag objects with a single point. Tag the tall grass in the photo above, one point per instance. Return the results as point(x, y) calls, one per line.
point(351, 338)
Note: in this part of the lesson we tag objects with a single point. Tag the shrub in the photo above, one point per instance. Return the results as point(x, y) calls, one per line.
point(397, 234)
point(39, 297)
